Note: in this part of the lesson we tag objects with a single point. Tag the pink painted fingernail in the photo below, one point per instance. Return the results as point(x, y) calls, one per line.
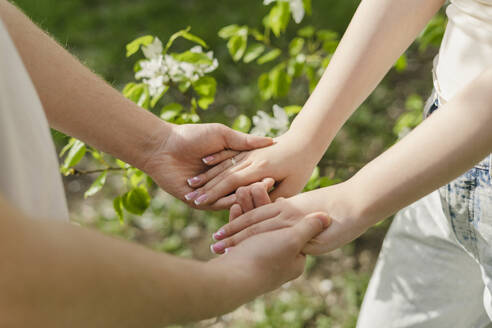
point(219, 234)
point(201, 199)
point(207, 159)
point(193, 181)
point(191, 195)
point(218, 247)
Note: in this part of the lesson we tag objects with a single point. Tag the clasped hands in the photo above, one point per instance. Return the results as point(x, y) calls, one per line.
point(242, 181)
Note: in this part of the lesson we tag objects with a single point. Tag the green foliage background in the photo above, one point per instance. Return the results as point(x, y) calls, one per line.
point(97, 32)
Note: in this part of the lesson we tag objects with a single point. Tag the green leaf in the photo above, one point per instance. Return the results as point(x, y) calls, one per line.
point(306, 32)
point(135, 92)
point(307, 6)
point(205, 86)
point(265, 87)
point(134, 46)
point(205, 102)
point(278, 18)
point(237, 44)
point(118, 208)
point(136, 201)
point(227, 31)
point(144, 99)
point(171, 111)
point(184, 86)
point(242, 123)
point(296, 46)
point(401, 63)
point(280, 82)
point(292, 110)
point(76, 153)
point(67, 146)
point(96, 185)
point(256, 34)
point(327, 35)
point(158, 97)
point(269, 56)
point(254, 51)
point(186, 35)
point(197, 58)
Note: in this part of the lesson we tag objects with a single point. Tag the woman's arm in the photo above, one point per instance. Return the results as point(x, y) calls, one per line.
point(445, 145)
point(378, 34)
point(80, 104)
point(58, 275)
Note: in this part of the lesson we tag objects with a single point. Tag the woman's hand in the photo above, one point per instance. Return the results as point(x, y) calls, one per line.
point(347, 224)
point(267, 260)
point(180, 155)
point(289, 161)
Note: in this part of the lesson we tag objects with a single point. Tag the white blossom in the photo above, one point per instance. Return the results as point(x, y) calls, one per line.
point(154, 49)
point(296, 8)
point(274, 126)
point(157, 70)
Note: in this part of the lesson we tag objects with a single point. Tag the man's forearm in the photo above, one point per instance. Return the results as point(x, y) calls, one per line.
point(378, 34)
point(79, 103)
point(58, 275)
point(445, 145)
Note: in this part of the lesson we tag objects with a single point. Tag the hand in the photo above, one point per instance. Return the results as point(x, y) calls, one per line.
point(289, 162)
point(347, 222)
point(267, 260)
point(250, 197)
point(184, 153)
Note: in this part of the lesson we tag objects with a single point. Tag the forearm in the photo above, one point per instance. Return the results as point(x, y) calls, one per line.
point(76, 101)
point(65, 276)
point(445, 145)
point(378, 34)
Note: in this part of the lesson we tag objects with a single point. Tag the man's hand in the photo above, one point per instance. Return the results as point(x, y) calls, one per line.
point(184, 150)
point(267, 260)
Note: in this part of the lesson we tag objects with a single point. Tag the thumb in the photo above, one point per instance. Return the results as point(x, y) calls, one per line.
point(236, 140)
point(311, 226)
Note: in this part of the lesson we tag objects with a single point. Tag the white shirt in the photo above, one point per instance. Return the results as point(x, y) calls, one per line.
point(466, 49)
point(29, 175)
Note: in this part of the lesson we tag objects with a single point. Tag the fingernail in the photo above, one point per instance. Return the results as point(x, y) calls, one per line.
point(207, 159)
point(212, 249)
point(191, 195)
point(217, 247)
point(219, 234)
point(201, 199)
point(193, 181)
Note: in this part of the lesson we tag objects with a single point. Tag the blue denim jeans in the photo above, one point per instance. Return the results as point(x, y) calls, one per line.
point(435, 267)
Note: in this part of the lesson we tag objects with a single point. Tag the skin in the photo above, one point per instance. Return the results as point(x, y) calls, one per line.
point(100, 116)
point(444, 146)
point(61, 275)
point(378, 34)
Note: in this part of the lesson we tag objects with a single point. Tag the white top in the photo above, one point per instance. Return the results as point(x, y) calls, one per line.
point(29, 175)
point(466, 49)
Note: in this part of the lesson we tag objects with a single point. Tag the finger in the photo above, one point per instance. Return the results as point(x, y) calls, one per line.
point(259, 192)
point(201, 179)
point(219, 157)
point(310, 226)
point(244, 198)
point(236, 140)
point(235, 212)
point(227, 185)
point(274, 223)
point(240, 223)
point(223, 203)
